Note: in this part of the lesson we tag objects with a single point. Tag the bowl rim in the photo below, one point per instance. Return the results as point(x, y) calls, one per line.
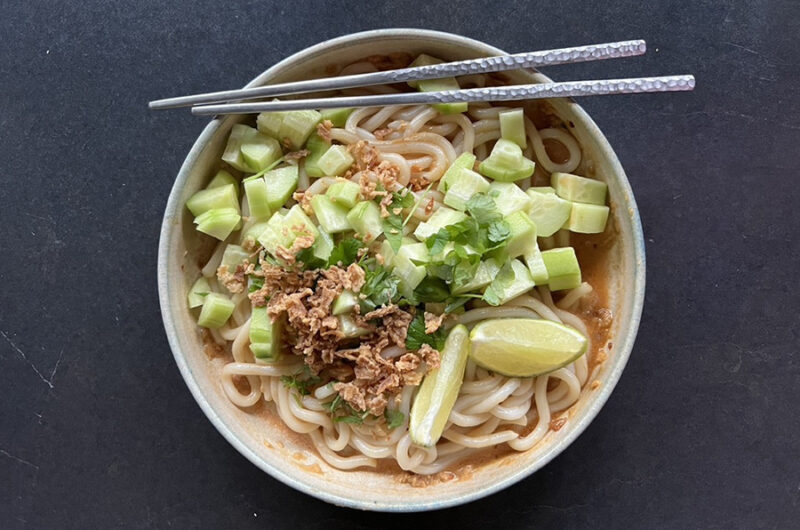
point(622, 354)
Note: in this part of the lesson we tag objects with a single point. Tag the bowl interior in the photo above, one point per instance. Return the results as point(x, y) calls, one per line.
point(288, 456)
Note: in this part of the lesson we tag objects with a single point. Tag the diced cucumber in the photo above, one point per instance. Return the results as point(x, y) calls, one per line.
point(437, 85)
point(410, 275)
point(282, 230)
point(217, 309)
point(316, 146)
point(211, 198)
point(252, 232)
point(270, 123)
point(281, 183)
point(255, 189)
point(344, 303)
point(562, 268)
point(349, 328)
point(335, 161)
point(506, 163)
point(487, 271)
point(512, 281)
point(259, 151)
point(323, 246)
point(542, 189)
point(523, 234)
point(512, 126)
point(198, 292)
point(344, 193)
point(442, 217)
point(462, 186)
point(265, 335)
point(297, 126)
point(218, 222)
point(338, 117)
point(234, 256)
point(297, 221)
point(533, 259)
point(332, 216)
point(416, 253)
point(223, 178)
point(233, 149)
point(549, 212)
point(509, 197)
point(464, 160)
point(588, 218)
point(365, 218)
point(579, 189)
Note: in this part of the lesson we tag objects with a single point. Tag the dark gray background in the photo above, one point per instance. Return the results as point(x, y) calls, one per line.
point(97, 428)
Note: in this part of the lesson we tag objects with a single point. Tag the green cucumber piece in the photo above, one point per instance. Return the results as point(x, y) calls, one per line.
point(338, 117)
point(506, 163)
point(437, 85)
point(442, 217)
point(198, 292)
point(233, 149)
point(217, 309)
point(579, 189)
point(255, 189)
point(562, 268)
point(542, 189)
point(335, 161)
point(323, 246)
point(316, 146)
point(332, 216)
point(512, 126)
point(297, 126)
point(523, 234)
point(487, 271)
point(259, 151)
point(464, 160)
point(509, 197)
point(344, 303)
point(549, 212)
point(252, 232)
point(281, 183)
point(365, 218)
point(233, 256)
point(416, 253)
point(265, 335)
point(462, 186)
point(270, 123)
point(533, 259)
point(349, 328)
point(344, 193)
point(512, 281)
point(211, 198)
point(410, 275)
point(223, 178)
point(587, 218)
point(218, 222)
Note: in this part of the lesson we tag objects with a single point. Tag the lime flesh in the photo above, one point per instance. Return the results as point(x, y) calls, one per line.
point(523, 347)
point(438, 392)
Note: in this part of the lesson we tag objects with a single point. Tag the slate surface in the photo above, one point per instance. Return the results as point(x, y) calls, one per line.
point(97, 429)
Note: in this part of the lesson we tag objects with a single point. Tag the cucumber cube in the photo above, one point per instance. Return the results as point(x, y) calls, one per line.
point(282, 230)
point(588, 218)
point(365, 218)
point(252, 232)
point(198, 292)
point(332, 216)
point(344, 193)
point(562, 268)
point(211, 198)
point(410, 274)
point(506, 163)
point(487, 271)
point(323, 246)
point(509, 197)
point(462, 186)
point(218, 222)
point(442, 217)
point(316, 146)
point(512, 281)
point(579, 189)
point(233, 150)
point(549, 212)
point(523, 234)
point(281, 183)
point(416, 253)
point(260, 152)
point(217, 309)
point(234, 256)
point(542, 189)
point(512, 126)
point(223, 178)
point(255, 189)
point(437, 85)
point(335, 161)
point(265, 335)
point(270, 123)
point(338, 117)
point(349, 328)
point(464, 160)
point(297, 126)
point(344, 303)
point(298, 222)
point(533, 259)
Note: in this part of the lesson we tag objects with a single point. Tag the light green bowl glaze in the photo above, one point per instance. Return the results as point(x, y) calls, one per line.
point(284, 455)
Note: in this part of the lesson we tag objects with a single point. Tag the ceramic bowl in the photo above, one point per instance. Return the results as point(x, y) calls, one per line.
point(264, 440)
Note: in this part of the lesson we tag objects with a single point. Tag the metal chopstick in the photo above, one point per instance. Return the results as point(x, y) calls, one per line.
point(636, 85)
point(576, 54)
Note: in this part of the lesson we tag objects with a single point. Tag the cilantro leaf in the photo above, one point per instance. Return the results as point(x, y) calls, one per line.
point(380, 287)
point(394, 418)
point(302, 381)
point(437, 241)
point(254, 283)
point(346, 252)
point(416, 335)
point(499, 231)
point(483, 209)
point(431, 289)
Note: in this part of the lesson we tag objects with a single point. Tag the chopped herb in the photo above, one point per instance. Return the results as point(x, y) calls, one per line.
point(345, 252)
point(455, 303)
point(483, 209)
point(334, 405)
point(394, 418)
point(254, 283)
point(499, 231)
point(302, 381)
point(416, 336)
point(431, 289)
point(380, 287)
point(419, 201)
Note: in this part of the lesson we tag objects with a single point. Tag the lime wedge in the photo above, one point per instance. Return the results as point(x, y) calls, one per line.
point(524, 347)
point(438, 392)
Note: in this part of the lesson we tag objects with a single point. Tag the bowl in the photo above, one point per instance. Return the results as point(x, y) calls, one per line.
point(286, 456)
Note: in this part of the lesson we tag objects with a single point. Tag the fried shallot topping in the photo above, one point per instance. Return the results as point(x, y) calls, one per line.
point(324, 130)
point(233, 281)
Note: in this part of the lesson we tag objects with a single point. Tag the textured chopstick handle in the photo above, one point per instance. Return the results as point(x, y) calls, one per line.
point(598, 87)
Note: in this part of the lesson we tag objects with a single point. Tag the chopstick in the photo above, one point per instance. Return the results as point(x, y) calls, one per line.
point(636, 85)
point(576, 54)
